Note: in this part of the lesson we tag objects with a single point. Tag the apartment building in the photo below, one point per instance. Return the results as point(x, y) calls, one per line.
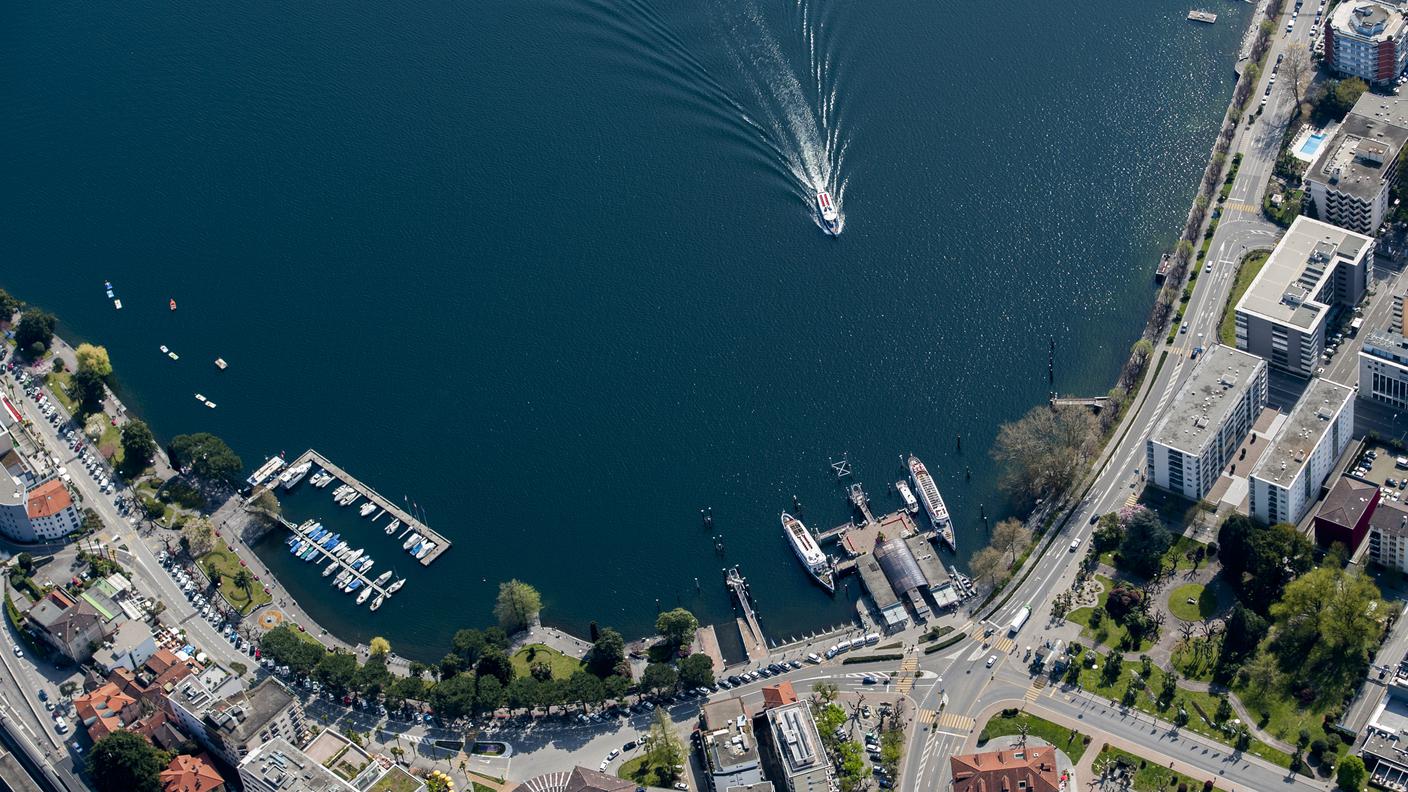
point(1287, 479)
point(1366, 39)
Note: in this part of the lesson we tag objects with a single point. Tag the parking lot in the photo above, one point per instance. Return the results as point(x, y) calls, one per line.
point(1380, 466)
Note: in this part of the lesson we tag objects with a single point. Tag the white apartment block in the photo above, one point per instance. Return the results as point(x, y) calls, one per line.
point(1206, 422)
point(1388, 535)
point(1366, 39)
point(1350, 180)
point(1286, 481)
point(1315, 270)
point(1383, 362)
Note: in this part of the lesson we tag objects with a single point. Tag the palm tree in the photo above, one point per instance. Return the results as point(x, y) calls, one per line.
point(212, 571)
point(245, 581)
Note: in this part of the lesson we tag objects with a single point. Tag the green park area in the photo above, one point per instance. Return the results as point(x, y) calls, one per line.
point(563, 667)
point(1193, 602)
point(1144, 775)
point(237, 583)
point(1010, 722)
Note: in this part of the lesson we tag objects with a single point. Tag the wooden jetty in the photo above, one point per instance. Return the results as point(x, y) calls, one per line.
point(754, 644)
point(441, 543)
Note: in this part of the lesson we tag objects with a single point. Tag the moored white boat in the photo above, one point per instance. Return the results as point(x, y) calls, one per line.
point(366, 592)
point(395, 587)
point(411, 541)
point(933, 501)
point(392, 526)
point(805, 546)
point(290, 478)
point(907, 495)
point(376, 603)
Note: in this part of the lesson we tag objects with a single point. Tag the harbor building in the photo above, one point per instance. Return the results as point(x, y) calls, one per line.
point(1351, 178)
point(1388, 535)
point(1209, 417)
point(1286, 480)
point(1315, 270)
point(728, 745)
point(1383, 361)
point(1366, 39)
point(802, 762)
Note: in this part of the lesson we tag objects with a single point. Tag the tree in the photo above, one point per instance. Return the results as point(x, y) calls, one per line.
point(1297, 69)
point(138, 446)
point(1108, 533)
point(1145, 542)
point(93, 358)
point(336, 670)
point(987, 564)
point(697, 671)
point(1327, 625)
point(1245, 629)
point(1042, 453)
point(285, 646)
point(608, 653)
point(373, 676)
point(124, 761)
point(665, 751)
point(437, 782)
point(244, 580)
point(88, 390)
point(35, 331)
point(9, 306)
point(1351, 774)
point(469, 645)
point(496, 663)
point(489, 695)
point(1260, 560)
point(517, 605)
point(659, 678)
point(380, 646)
point(1342, 96)
point(1261, 674)
point(199, 536)
point(677, 626)
point(852, 765)
point(584, 688)
point(522, 693)
point(1011, 537)
point(25, 561)
point(826, 692)
point(453, 698)
point(206, 456)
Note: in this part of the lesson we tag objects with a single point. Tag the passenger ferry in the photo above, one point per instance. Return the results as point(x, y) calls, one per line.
point(933, 501)
point(804, 545)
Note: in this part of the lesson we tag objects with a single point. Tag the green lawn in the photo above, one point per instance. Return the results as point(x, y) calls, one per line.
point(1073, 743)
point(1250, 266)
point(58, 383)
point(1281, 716)
point(1203, 606)
point(1110, 633)
point(396, 780)
point(639, 771)
point(1194, 664)
point(532, 654)
point(228, 565)
point(1149, 777)
point(1192, 700)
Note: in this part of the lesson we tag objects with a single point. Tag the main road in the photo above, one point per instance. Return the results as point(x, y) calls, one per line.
point(959, 685)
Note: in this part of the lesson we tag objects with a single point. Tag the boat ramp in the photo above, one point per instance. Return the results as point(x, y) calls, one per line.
point(396, 512)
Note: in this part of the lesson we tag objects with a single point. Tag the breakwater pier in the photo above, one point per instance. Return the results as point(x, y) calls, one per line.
point(412, 523)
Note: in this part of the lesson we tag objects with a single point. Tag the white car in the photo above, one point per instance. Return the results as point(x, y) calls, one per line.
point(992, 659)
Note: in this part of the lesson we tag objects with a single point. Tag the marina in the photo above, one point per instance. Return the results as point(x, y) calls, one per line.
point(313, 543)
point(428, 545)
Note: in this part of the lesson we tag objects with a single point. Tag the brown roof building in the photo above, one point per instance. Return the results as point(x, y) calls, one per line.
point(106, 710)
point(191, 774)
point(1344, 516)
point(578, 779)
point(1028, 769)
point(778, 695)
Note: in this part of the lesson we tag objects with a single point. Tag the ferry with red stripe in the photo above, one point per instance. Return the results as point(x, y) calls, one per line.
point(829, 218)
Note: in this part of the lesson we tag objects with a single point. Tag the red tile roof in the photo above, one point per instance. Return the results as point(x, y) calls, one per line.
point(105, 710)
point(1030, 769)
point(48, 499)
point(778, 695)
point(190, 774)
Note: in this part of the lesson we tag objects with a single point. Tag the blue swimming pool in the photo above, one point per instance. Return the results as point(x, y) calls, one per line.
point(1312, 144)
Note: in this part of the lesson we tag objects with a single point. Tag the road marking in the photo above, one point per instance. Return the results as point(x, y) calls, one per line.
point(1034, 690)
point(1132, 500)
point(952, 720)
point(926, 716)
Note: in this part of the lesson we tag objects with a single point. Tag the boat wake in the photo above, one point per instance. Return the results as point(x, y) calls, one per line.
point(797, 109)
point(787, 116)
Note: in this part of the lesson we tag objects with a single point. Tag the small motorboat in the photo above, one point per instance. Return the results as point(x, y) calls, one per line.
point(165, 349)
point(221, 364)
point(383, 577)
point(376, 603)
point(200, 398)
point(117, 304)
point(367, 508)
point(173, 304)
point(392, 526)
point(173, 355)
point(210, 404)
point(411, 541)
point(332, 567)
point(425, 550)
point(366, 592)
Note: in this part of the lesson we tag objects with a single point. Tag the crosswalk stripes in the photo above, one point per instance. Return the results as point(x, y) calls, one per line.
point(926, 716)
point(909, 669)
point(1132, 500)
point(1243, 207)
point(1003, 645)
point(1034, 690)
point(952, 720)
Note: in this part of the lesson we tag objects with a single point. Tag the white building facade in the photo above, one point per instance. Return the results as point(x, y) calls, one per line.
point(1287, 479)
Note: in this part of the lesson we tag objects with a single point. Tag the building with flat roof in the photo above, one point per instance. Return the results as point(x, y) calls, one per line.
point(1026, 769)
point(1206, 421)
point(14, 512)
point(730, 750)
point(1344, 514)
point(1351, 177)
point(872, 577)
point(131, 645)
point(1286, 480)
point(1315, 270)
point(194, 695)
point(1388, 535)
point(802, 759)
point(1366, 39)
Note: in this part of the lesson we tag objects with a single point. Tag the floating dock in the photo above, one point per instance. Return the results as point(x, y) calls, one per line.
point(325, 557)
point(441, 543)
point(1202, 16)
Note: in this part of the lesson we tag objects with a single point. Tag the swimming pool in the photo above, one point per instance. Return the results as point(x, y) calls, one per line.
point(1312, 144)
